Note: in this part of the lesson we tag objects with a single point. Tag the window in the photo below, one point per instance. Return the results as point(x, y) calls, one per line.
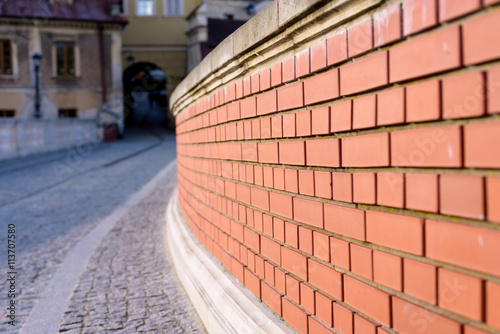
point(65, 59)
point(5, 57)
point(68, 113)
point(7, 113)
point(145, 7)
point(173, 7)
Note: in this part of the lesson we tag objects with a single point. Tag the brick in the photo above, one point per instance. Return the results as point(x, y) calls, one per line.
point(279, 229)
point(222, 114)
point(492, 297)
point(268, 152)
point(255, 83)
point(291, 235)
point(248, 107)
point(247, 130)
point(320, 121)
point(339, 253)
point(243, 193)
point(268, 227)
point(342, 187)
point(361, 261)
point(294, 262)
point(427, 147)
point(249, 152)
point(295, 316)
point(321, 246)
point(267, 103)
point(423, 101)
point(391, 189)
point(268, 273)
point(463, 95)
point(345, 221)
point(466, 246)
point(395, 231)
point(360, 37)
point(419, 15)
point(281, 204)
point(343, 319)
point(387, 25)
point(408, 62)
point(473, 330)
point(323, 184)
point(270, 249)
point(279, 178)
point(302, 64)
point(420, 280)
point(292, 153)
point(271, 298)
point(265, 128)
point(391, 107)
point(493, 85)
point(306, 182)
point(247, 88)
point(364, 112)
point(308, 212)
point(323, 152)
point(324, 308)
point(422, 192)
point(291, 96)
point(325, 279)
point(252, 282)
point(367, 299)
point(449, 9)
point(265, 79)
point(341, 115)
point(365, 151)
point(404, 314)
point(276, 75)
point(279, 279)
point(492, 199)
point(288, 125)
point(364, 74)
point(364, 188)
point(481, 145)
point(479, 38)
point(237, 269)
point(321, 87)
point(336, 48)
point(276, 127)
point(315, 327)
point(388, 270)
point(291, 180)
point(462, 195)
point(361, 325)
point(305, 240)
point(259, 175)
point(268, 177)
point(460, 293)
point(289, 69)
point(303, 123)
point(233, 111)
point(260, 198)
point(292, 288)
point(256, 129)
point(230, 92)
point(318, 56)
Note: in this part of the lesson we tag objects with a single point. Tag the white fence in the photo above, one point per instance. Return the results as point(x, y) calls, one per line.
point(23, 137)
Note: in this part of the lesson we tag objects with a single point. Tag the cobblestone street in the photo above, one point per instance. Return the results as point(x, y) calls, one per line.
point(128, 284)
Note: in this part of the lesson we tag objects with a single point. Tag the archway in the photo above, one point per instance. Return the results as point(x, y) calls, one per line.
point(145, 95)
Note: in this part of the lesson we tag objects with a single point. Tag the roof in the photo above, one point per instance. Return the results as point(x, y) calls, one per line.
point(79, 10)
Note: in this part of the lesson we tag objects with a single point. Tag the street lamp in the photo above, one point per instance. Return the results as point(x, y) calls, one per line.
point(37, 58)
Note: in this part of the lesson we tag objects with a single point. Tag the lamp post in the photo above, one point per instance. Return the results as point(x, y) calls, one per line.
point(36, 61)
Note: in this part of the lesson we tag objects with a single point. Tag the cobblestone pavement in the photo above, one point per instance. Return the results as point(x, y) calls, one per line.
point(130, 285)
point(55, 202)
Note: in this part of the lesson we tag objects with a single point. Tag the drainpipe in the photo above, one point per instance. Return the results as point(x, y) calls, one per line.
point(102, 63)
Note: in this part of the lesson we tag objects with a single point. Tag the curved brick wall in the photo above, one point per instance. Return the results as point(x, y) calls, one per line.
point(350, 179)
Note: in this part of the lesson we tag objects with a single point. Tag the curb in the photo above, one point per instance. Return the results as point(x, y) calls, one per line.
point(223, 304)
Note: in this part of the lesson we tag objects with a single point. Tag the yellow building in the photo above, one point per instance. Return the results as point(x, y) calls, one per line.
point(154, 41)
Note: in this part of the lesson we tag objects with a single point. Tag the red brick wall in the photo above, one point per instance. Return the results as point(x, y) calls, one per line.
point(355, 187)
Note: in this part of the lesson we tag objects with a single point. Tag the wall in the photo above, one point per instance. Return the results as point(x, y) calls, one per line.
point(341, 159)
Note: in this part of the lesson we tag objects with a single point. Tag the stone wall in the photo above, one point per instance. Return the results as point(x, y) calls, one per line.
point(342, 160)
